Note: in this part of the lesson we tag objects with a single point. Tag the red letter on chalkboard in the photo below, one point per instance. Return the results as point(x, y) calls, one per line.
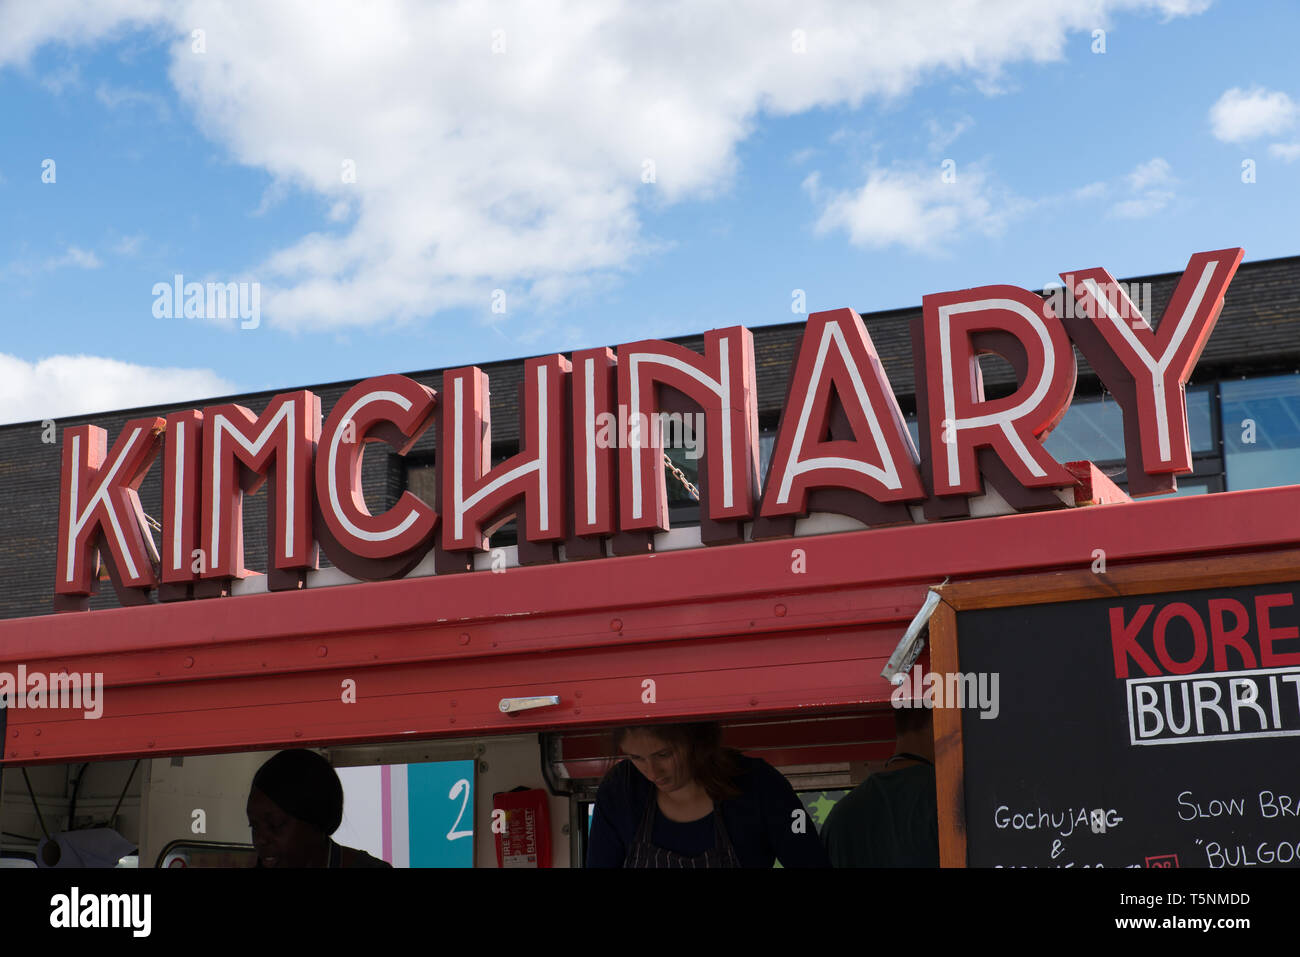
point(1145, 369)
point(1268, 658)
point(1123, 641)
point(1221, 637)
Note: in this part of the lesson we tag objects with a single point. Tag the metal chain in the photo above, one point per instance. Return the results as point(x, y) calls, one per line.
point(101, 569)
point(678, 474)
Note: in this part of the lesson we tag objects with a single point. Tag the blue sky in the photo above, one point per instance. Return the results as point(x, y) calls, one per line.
point(521, 169)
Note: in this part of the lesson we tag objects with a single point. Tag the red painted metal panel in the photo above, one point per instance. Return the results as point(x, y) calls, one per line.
point(768, 674)
point(666, 589)
point(834, 739)
point(595, 768)
point(832, 730)
point(731, 630)
point(824, 754)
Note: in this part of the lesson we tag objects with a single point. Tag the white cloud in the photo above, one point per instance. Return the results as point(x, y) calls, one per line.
point(24, 27)
point(74, 256)
point(75, 385)
point(1287, 152)
point(1153, 172)
point(941, 136)
point(116, 97)
point(1181, 8)
point(477, 169)
point(1142, 206)
point(913, 207)
point(1151, 185)
point(127, 245)
point(62, 78)
point(275, 193)
point(1241, 115)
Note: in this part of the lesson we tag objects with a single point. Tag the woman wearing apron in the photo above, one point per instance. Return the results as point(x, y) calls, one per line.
point(680, 799)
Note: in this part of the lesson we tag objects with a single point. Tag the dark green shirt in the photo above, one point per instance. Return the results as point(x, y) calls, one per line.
point(889, 820)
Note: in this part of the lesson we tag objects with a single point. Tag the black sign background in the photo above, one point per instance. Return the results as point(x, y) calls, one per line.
point(1060, 745)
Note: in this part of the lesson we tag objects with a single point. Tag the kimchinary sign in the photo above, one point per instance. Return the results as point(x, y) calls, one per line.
point(580, 484)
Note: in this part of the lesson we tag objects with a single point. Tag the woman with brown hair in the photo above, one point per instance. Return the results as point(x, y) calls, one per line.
point(681, 799)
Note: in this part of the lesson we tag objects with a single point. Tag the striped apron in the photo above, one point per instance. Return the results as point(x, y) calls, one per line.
point(643, 852)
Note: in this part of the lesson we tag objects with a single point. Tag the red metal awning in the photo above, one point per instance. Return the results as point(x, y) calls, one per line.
point(721, 631)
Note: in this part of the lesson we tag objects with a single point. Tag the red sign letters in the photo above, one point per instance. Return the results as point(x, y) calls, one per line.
point(589, 473)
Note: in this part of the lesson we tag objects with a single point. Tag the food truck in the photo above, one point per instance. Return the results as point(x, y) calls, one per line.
point(456, 583)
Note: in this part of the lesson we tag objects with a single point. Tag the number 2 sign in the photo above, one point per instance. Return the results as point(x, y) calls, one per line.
point(440, 798)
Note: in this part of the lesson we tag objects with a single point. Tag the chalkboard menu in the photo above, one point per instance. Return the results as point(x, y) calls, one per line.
point(1158, 730)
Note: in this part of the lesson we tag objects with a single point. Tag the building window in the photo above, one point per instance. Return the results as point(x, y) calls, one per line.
point(422, 480)
point(1261, 431)
point(1093, 431)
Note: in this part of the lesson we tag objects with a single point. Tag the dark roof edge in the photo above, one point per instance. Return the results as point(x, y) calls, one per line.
point(346, 383)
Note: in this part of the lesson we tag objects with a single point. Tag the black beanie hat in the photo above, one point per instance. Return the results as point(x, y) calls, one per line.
point(304, 786)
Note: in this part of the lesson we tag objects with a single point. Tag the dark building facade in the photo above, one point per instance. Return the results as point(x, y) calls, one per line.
point(1243, 407)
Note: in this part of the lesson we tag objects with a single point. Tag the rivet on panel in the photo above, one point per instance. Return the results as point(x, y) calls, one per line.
point(189, 661)
point(616, 624)
point(780, 611)
point(464, 639)
point(321, 651)
point(753, 701)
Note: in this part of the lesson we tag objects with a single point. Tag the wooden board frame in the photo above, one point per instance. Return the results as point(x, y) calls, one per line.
point(1258, 568)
